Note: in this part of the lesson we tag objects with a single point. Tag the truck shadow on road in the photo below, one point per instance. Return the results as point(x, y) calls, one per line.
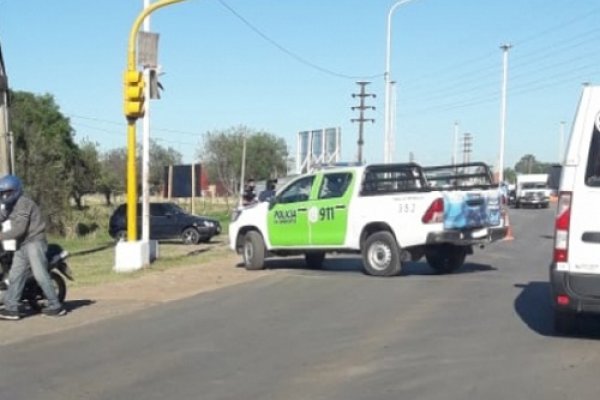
point(354, 265)
point(534, 307)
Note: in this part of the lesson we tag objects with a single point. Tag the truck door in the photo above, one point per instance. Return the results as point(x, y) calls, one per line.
point(328, 214)
point(287, 219)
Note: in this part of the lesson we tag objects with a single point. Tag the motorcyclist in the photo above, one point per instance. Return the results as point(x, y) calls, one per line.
point(25, 224)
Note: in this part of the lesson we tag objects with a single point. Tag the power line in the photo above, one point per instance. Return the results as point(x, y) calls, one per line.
point(168, 130)
point(121, 134)
point(478, 70)
point(290, 53)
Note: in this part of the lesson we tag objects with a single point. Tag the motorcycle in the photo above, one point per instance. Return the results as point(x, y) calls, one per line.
point(32, 293)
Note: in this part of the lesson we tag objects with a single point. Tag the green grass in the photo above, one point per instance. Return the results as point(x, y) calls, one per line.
point(92, 250)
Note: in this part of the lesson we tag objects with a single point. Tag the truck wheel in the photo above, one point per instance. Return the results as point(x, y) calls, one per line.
point(314, 259)
point(381, 255)
point(446, 258)
point(564, 322)
point(517, 205)
point(253, 252)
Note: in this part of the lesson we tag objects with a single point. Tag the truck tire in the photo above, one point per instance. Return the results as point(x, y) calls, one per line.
point(253, 251)
point(564, 322)
point(314, 259)
point(381, 255)
point(446, 258)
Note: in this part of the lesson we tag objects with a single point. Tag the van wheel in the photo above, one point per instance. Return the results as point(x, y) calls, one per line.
point(446, 258)
point(564, 322)
point(314, 259)
point(253, 251)
point(381, 255)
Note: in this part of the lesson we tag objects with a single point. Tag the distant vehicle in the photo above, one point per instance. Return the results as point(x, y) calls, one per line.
point(575, 269)
point(532, 190)
point(167, 221)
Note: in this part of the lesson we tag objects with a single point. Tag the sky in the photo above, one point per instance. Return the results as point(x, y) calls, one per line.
point(284, 66)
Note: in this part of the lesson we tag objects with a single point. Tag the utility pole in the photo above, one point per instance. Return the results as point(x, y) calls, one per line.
point(361, 119)
point(146, 143)
point(455, 144)
point(504, 48)
point(467, 147)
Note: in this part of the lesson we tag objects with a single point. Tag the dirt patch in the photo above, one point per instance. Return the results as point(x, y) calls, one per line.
point(90, 304)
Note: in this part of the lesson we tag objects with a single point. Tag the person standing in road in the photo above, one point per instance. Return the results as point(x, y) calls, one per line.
point(28, 228)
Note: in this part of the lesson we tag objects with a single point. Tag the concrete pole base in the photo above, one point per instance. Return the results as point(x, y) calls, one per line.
point(132, 256)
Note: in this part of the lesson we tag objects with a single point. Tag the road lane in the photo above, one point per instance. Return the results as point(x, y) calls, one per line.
point(482, 333)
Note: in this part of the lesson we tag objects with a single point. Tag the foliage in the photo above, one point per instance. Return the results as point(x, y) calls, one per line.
point(266, 156)
point(112, 173)
point(529, 165)
point(160, 157)
point(44, 154)
point(510, 175)
point(87, 170)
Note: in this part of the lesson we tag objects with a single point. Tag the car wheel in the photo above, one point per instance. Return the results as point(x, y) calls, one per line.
point(190, 236)
point(253, 252)
point(381, 255)
point(121, 235)
point(314, 259)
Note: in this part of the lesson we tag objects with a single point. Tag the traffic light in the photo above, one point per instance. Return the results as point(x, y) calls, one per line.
point(134, 94)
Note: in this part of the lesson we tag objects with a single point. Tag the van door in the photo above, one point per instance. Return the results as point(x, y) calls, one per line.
point(287, 219)
point(584, 229)
point(328, 214)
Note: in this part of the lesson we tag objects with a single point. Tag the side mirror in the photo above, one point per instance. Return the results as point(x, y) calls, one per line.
point(272, 202)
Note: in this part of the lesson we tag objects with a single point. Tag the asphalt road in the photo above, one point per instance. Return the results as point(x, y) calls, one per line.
point(482, 333)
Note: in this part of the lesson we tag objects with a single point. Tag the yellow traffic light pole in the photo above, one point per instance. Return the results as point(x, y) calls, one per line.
point(132, 118)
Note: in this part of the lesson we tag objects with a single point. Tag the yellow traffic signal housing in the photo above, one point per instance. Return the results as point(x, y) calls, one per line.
point(134, 94)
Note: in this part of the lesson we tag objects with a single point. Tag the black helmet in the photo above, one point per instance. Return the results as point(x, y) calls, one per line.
point(10, 189)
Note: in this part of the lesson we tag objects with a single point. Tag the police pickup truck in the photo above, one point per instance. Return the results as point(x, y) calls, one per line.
point(389, 213)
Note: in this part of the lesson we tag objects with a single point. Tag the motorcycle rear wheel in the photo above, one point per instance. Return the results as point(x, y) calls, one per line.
point(36, 299)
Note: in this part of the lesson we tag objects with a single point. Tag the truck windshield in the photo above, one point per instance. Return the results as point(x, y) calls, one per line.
point(534, 185)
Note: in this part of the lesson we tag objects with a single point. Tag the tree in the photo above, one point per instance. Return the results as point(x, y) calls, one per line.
point(112, 173)
point(529, 165)
point(266, 156)
point(510, 175)
point(45, 154)
point(86, 172)
point(160, 157)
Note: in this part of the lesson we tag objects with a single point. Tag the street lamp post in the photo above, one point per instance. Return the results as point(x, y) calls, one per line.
point(387, 140)
point(504, 48)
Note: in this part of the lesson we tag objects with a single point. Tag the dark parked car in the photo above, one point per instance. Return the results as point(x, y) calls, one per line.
point(167, 221)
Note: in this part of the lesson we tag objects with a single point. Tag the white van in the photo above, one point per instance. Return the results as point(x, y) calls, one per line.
point(575, 270)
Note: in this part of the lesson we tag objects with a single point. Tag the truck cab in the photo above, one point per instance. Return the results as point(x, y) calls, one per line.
point(532, 190)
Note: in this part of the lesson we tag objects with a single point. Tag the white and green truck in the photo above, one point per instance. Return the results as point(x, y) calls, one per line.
point(389, 213)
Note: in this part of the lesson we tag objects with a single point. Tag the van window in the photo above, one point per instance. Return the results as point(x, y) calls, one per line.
point(592, 173)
